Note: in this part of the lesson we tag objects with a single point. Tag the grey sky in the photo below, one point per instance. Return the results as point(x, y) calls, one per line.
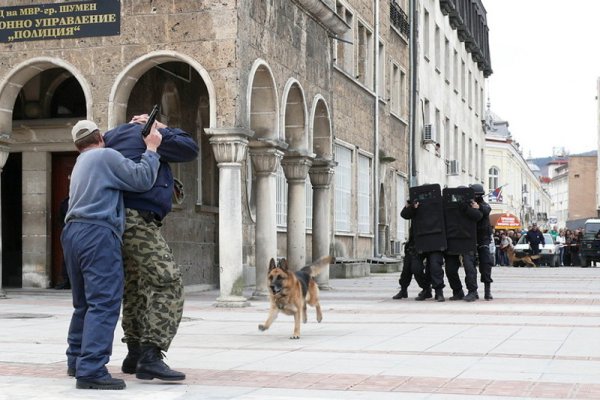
point(546, 63)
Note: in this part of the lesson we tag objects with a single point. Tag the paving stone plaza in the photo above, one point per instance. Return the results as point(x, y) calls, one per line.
point(539, 338)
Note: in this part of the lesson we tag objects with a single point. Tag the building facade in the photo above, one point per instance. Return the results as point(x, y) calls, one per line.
point(300, 109)
point(452, 64)
point(514, 186)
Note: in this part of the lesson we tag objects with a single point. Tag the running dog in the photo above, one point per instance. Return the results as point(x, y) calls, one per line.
point(290, 291)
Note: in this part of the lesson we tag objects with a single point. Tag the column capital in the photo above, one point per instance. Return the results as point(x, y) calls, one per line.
point(321, 173)
point(265, 160)
point(229, 144)
point(296, 166)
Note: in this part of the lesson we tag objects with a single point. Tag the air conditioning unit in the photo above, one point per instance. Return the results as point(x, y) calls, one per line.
point(429, 134)
point(452, 167)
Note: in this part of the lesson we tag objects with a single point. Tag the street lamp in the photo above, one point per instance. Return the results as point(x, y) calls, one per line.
point(3, 157)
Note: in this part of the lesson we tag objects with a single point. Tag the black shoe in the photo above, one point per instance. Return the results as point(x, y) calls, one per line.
point(471, 296)
point(66, 285)
point(402, 294)
point(488, 292)
point(132, 358)
point(71, 371)
point(458, 295)
point(423, 295)
point(151, 365)
point(439, 295)
point(108, 383)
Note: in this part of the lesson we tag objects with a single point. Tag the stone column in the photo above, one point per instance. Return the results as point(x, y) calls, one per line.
point(321, 174)
point(3, 158)
point(229, 147)
point(265, 161)
point(296, 166)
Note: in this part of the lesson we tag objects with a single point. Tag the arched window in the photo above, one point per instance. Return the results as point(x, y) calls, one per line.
point(494, 176)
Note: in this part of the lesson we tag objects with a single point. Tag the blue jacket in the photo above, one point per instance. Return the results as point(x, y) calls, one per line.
point(97, 181)
point(176, 146)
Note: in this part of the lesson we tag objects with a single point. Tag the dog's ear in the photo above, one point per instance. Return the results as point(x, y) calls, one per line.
point(283, 264)
point(272, 264)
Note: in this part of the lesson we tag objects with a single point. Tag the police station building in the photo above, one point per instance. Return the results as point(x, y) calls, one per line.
point(257, 84)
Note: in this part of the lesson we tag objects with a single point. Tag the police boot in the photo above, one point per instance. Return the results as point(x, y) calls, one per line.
point(423, 295)
point(471, 296)
point(151, 365)
point(457, 295)
point(439, 295)
point(402, 294)
point(131, 360)
point(488, 291)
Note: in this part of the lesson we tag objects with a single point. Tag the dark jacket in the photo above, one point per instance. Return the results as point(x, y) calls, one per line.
point(484, 229)
point(535, 237)
point(176, 146)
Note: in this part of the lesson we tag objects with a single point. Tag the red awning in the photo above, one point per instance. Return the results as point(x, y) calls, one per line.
point(505, 221)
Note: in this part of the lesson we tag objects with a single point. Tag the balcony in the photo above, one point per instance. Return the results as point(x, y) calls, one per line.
point(399, 19)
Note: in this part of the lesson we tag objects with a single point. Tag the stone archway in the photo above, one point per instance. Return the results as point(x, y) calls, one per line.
point(37, 136)
point(21, 74)
point(265, 152)
point(126, 80)
point(321, 174)
point(296, 163)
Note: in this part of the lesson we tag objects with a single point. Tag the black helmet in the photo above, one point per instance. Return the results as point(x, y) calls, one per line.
point(478, 189)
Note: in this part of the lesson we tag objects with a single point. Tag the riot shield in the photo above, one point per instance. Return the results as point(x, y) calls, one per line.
point(428, 220)
point(460, 220)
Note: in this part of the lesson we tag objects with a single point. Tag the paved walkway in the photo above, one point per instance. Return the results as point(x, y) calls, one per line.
point(539, 338)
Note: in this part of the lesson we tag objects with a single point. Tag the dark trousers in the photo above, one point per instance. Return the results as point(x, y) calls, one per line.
point(484, 259)
point(434, 268)
point(93, 258)
point(453, 263)
point(413, 266)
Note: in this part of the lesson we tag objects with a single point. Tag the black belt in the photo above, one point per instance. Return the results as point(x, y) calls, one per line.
point(148, 216)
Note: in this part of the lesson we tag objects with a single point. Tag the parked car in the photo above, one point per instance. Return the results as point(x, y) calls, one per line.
point(590, 244)
point(549, 253)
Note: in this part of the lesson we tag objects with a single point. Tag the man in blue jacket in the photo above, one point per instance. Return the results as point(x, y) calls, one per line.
point(153, 296)
point(91, 241)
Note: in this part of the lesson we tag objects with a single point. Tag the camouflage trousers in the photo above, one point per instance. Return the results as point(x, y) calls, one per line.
point(153, 295)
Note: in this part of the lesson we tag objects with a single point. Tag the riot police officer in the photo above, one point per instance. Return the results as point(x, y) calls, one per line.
point(412, 265)
point(484, 232)
point(461, 214)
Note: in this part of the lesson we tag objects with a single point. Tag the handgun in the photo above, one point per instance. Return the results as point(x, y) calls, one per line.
point(151, 118)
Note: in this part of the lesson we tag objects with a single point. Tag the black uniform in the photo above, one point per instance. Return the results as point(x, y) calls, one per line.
point(484, 232)
point(413, 266)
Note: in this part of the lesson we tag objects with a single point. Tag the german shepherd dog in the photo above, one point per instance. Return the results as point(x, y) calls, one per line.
point(290, 291)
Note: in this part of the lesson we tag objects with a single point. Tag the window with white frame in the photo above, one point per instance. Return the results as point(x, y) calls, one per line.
point(381, 72)
point(463, 152)
point(344, 57)
point(365, 55)
point(455, 143)
point(476, 166)
point(447, 60)
point(493, 178)
point(364, 194)
point(446, 143)
point(438, 51)
point(426, 34)
point(463, 79)
point(470, 167)
point(343, 188)
point(395, 88)
point(400, 201)
point(470, 90)
point(281, 198)
point(455, 80)
point(309, 204)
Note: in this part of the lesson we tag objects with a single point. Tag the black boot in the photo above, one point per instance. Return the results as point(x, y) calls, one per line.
point(151, 365)
point(457, 295)
point(402, 294)
point(488, 291)
point(439, 295)
point(471, 296)
point(130, 362)
point(423, 295)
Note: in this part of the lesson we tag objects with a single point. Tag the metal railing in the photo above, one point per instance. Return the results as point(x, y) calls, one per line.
point(399, 18)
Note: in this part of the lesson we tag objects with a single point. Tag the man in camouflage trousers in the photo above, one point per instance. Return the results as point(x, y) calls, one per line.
point(153, 294)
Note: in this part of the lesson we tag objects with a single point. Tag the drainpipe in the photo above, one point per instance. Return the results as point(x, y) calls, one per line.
point(376, 177)
point(414, 73)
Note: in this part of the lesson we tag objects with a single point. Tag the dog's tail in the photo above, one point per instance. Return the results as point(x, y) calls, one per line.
point(317, 266)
